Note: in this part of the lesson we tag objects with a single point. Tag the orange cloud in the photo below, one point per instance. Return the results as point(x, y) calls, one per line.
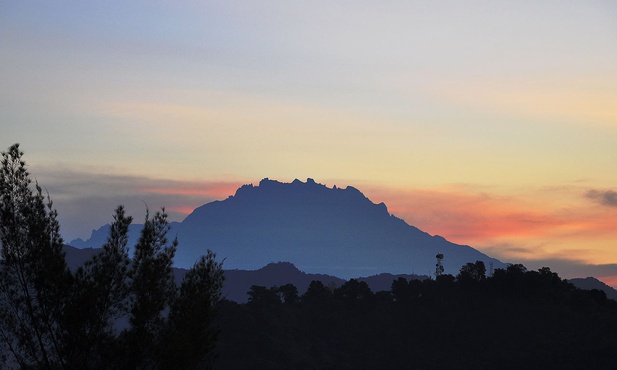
point(471, 215)
point(181, 210)
point(532, 225)
point(465, 215)
point(200, 189)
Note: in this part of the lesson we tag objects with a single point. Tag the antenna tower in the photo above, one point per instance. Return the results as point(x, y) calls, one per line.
point(439, 265)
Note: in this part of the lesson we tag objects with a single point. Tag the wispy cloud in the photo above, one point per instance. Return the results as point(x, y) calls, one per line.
point(604, 197)
point(85, 199)
point(467, 213)
point(531, 226)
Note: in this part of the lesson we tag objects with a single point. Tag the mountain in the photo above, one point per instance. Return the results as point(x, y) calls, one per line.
point(383, 282)
point(238, 282)
point(590, 283)
point(98, 237)
point(319, 229)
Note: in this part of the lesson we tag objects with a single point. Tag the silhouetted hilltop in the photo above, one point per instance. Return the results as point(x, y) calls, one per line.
point(238, 282)
point(590, 283)
point(76, 257)
point(319, 229)
point(98, 237)
point(383, 282)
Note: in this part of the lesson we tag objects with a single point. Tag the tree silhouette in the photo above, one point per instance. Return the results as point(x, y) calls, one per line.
point(289, 292)
point(189, 339)
point(99, 297)
point(317, 293)
point(472, 272)
point(34, 275)
point(152, 288)
point(53, 319)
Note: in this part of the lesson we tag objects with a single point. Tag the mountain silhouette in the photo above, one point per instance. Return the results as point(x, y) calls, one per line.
point(334, 231)
point(238, 282)
point(590, 283)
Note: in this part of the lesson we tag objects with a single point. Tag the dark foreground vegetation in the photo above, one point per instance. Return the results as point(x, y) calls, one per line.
point(112, 313)
point(515, 319)
point(117, 312)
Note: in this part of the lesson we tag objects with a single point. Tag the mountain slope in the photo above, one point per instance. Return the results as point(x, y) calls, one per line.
point(238, 282)
point(319, 229)
point(589, 283)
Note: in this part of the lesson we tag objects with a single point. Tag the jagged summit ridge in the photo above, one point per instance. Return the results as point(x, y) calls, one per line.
point(269, 187)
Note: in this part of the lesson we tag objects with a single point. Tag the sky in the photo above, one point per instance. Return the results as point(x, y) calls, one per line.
point(490, 123)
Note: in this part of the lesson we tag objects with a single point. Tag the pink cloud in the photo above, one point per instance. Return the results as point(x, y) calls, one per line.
point(193, 188)
point(610, 280)
point(559, 228)
point(461, 214)
point(556, 223)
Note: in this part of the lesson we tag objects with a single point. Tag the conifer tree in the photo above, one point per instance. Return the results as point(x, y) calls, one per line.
point(99, 299)
point(152, 289)
point(34, 277)
point(189, 339)
point(53, 319)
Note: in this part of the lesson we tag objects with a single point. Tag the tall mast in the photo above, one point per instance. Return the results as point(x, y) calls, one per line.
point(439, 265)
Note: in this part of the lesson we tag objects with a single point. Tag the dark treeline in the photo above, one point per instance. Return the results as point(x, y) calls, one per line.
point(515, 319)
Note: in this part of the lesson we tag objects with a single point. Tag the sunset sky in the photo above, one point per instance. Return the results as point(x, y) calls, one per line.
point(490, 123)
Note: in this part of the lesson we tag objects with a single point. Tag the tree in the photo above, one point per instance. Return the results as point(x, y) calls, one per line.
point(404, 291)
point(53, 319)
point(99, 298)
point(33, 272)
point(189, 339)
point(317, 293)
point(260, 296)
point(353, 290)
point(152, 290)
point(472, 272)
point(516, 269)
point(289, 292)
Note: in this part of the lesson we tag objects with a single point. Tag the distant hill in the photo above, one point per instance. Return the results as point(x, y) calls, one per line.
point(76, 257)
point(238, 282)
point(319, 229)
point(589, 283)
point(383, 282)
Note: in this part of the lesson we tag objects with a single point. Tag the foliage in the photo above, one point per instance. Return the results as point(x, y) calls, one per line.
point(189, 340)
point(110, 313)
point(34, 276)
point(511, 320)
point(472, 272)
